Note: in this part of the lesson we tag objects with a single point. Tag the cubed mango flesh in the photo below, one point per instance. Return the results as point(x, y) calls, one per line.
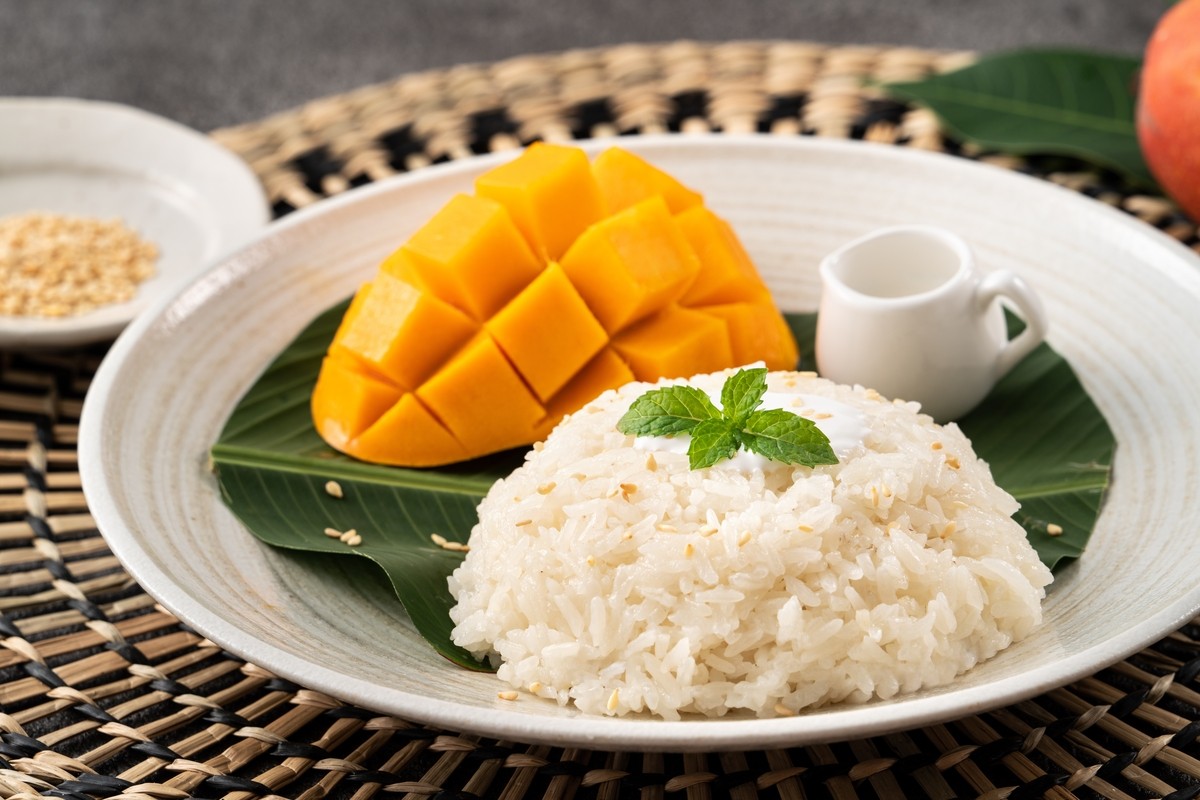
point(401, 332)
point(626, 180)
point(631, 264)
point(470, 254)
point(479, 396)
point(727, 275)
point(348, 399)
point(675, 343)
point(757, 333)
point(548, 332)
point(516, 306)
point(551, 194)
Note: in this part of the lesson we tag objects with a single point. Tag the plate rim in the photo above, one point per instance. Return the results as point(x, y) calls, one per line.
point(249, 198)
point(623, 734)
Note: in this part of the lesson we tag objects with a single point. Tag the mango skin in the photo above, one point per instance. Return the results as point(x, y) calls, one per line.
point(517, 307)
point(1168, 109)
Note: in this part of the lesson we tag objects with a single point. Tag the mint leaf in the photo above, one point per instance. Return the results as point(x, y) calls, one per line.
point(668, 411)
point(742, 393)
point(782, 436)
point(713, 440)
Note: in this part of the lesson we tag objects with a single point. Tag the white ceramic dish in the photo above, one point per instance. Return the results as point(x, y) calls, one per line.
point(174, 186)
point(1123, 301)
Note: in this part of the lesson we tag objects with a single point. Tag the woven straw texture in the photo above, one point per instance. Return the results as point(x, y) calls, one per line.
point(104, 694)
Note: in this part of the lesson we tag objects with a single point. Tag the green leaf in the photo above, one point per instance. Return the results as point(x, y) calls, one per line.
point(713, 440)
point(783, 436)
point(1041, 102)
point(742, 393)
point(667, 411)
point(1045, 440)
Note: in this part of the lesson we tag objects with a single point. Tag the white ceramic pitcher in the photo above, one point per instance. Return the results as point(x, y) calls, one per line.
point(907, 312)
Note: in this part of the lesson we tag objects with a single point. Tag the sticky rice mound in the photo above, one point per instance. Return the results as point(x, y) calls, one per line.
point(619, 580)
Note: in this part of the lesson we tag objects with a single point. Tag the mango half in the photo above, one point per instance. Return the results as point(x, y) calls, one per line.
point(512, 307)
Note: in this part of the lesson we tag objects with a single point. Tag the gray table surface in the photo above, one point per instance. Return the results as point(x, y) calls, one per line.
point(209, 63)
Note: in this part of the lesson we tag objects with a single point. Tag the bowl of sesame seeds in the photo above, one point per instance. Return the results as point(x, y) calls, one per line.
point(104, 209)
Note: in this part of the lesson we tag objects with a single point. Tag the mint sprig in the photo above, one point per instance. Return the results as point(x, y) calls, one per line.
point(717, 434)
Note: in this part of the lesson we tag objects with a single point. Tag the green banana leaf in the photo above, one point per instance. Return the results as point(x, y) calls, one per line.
point(1045, 440)
point(1041, 102)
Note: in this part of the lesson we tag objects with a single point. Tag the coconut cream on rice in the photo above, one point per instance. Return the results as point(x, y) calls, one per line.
point(611, 576)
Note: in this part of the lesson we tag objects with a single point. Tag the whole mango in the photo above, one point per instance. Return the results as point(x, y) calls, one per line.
point(1168, 112)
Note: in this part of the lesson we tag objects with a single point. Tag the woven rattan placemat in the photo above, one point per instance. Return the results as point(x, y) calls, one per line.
point(104, 694)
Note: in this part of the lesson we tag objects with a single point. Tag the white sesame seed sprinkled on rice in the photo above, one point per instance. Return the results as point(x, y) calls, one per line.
point(334, 489)
point(1054, 530)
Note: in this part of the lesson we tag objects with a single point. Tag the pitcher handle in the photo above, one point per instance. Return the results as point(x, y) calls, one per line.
point(1007, 285)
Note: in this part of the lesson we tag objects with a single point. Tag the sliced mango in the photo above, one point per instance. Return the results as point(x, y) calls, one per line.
point(550, 193)
point(727, 275)
point(757, 333)
point(401, 332)
point(548, 332)
point(516, 306)
point(675, 343)
point(626, 180)
point(348, 399)
point(631, 264)
point(470, 254)
point(481, 399)
point(408, 433)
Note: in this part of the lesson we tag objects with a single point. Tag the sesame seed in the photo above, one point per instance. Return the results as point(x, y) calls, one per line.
point(805, 528)
point(438, 539)
point(822, 415)
point(613, 700)
point(627, 535)
point(651, 464)
point(875, 497)
point(1054, 530)
point(546, 488)
point(950, 528)
point(784, 711)
point(627, 489)
point(665, 528)
point(333, 533)
point(334, 489)
point(535, 687)
point(507, 695)
point(952, 462)
point(354, 541)
point(935, 446)
point(744, 538)
point(871, 394)
point(55, 266)
point(708, 530)
point(347, 535)
point(524, 522)
point(688, 550)
point(591, 561)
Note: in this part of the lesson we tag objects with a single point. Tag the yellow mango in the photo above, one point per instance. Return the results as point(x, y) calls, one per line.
point(631, 264)
point(481, 399)
point(675, 343)
point(626, 180)
point(757, 333)
point(606, 371)
point(348, 399)
point(547, 332)
point(518, 305)
point(408, 435)
point(727, 275)
point(470, 254)
point(401, 332)
point(550, 193)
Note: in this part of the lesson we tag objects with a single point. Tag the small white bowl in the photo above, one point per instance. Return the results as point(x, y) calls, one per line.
point(174, 186)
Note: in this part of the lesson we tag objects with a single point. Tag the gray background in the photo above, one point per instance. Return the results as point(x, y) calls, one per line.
point(209, 63)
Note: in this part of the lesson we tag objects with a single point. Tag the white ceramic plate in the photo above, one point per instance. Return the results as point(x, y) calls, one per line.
point(1124, 305)
point(174, 186)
